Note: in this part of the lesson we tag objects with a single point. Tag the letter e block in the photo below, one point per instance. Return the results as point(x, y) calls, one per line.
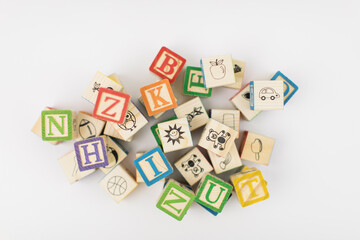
point(91, 153)
point(194, 83)
point(158, 97)
point(175, 200)
point(153, 166)
point(111, 105)
point(167, 64)
point(213, 193)
point(57, 125)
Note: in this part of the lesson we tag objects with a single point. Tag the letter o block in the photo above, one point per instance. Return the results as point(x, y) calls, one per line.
point(91, 153)
point(111, 105)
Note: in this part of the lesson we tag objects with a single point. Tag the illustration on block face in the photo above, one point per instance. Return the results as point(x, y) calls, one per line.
point(226, 161)
point(174, 134)
point(218, 69)
point(87, 129)
point(256, 148)
point(268, 93)
point(220, 139)
point(130, 122)
point(197, 111)
point(237, 68)
point(116, 185)
point(192, 165)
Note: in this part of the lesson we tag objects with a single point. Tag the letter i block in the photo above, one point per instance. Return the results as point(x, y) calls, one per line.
point(167, 64)
point(194, 83)
point(111, 105)
point(57, 125)
point(250, 187)
point(158, 97)
point(213, 193)
point(153, 166)
point(290, 88)
point(175, 200)
point(91, 153)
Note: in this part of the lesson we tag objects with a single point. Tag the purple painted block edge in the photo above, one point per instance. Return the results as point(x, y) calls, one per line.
point(78, 157)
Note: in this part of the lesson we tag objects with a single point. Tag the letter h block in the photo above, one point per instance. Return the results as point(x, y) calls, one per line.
point(175, 200)
point(153, 166)
point(213, 193)
point(91, 153)
point(158, 97)
point(167, 64)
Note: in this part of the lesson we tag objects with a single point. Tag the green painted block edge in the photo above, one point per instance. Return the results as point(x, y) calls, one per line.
point(220, 182)
point(70, 125)
point(169, 186)
point(153, 130)
point(186, 82)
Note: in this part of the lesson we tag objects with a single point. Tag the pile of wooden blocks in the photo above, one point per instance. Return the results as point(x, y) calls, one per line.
point(115, 118)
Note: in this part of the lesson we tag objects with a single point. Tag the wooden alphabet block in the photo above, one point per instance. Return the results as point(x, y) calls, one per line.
point(111, 130)
point(175, 135)
point(100, 81)
point(70, 167)
point(193, 166)
point(211, 211)
point(213, 193)
point(118, 183)
point(217, 71)
point(224, 164)
point(155, 131)
point(256, 148)
point(217, 138)
point(134, 121)
point(138, 176)
point(241, 101)
point(88, 126)
point(266, 95)
point(167, 64)
point(194, 111)
point(250, 187)
point(111, 105)
point(158, 97)
point(228, 117)
point(290, 88)
point(57, 125)
point(175, 200)
point(194, 83)
point(37, 128)
point(156, 116)
point(153, 166)
point(115, 152)
point(91, 153)
point(239, 69)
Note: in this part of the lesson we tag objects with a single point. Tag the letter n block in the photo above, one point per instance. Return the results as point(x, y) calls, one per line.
point(250, 186)
point(57, 125)
point(158, 97)
point(167, 64)
point(111, 105)
point(213, 193)
point(153, 166)
point(91, 153)
point(175, 200)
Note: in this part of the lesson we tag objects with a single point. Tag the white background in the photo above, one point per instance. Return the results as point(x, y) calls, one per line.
point(50, 50)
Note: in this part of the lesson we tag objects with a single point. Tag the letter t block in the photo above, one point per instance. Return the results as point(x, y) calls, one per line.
point(91, 153)
point(158, 97)
point(213, 193)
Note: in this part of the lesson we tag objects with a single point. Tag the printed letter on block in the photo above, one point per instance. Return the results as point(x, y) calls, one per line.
point(91, 153)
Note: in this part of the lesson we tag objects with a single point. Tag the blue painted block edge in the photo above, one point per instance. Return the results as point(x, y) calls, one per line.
point(252, 95)
point(277, 74)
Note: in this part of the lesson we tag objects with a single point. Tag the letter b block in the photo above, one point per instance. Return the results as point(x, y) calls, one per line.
point(91, 153)
point(158, 97)
point(57, 125)
point(213, 193)
point(153, 166)
point(175, 200)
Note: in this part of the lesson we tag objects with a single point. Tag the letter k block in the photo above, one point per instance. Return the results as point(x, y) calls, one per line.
point(153, 166)
point(91, 153)
point(111, 105)
point(167, 64)
point(158, 97)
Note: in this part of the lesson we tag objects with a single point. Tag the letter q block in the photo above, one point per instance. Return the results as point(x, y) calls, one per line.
point(111, 105)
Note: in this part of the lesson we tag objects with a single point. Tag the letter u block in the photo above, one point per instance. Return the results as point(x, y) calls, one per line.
point(175, 200)
point(57, 125)
point(213, 193)
point(153, 166)
point(91, 153)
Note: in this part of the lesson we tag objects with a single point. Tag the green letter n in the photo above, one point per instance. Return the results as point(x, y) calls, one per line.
point(52, 121)
point(172, 201)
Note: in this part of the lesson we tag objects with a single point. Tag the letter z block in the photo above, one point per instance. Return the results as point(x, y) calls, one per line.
point(250, 187)
point(153, 166)
point(194, 83)
point(213, 193)
point(158, 97)
point(175, 200)
point(91, 153)
point(167, 64)
point(111, 105)
point(57, 125)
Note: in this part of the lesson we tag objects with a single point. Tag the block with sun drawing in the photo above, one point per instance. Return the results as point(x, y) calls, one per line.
point(175, 134)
